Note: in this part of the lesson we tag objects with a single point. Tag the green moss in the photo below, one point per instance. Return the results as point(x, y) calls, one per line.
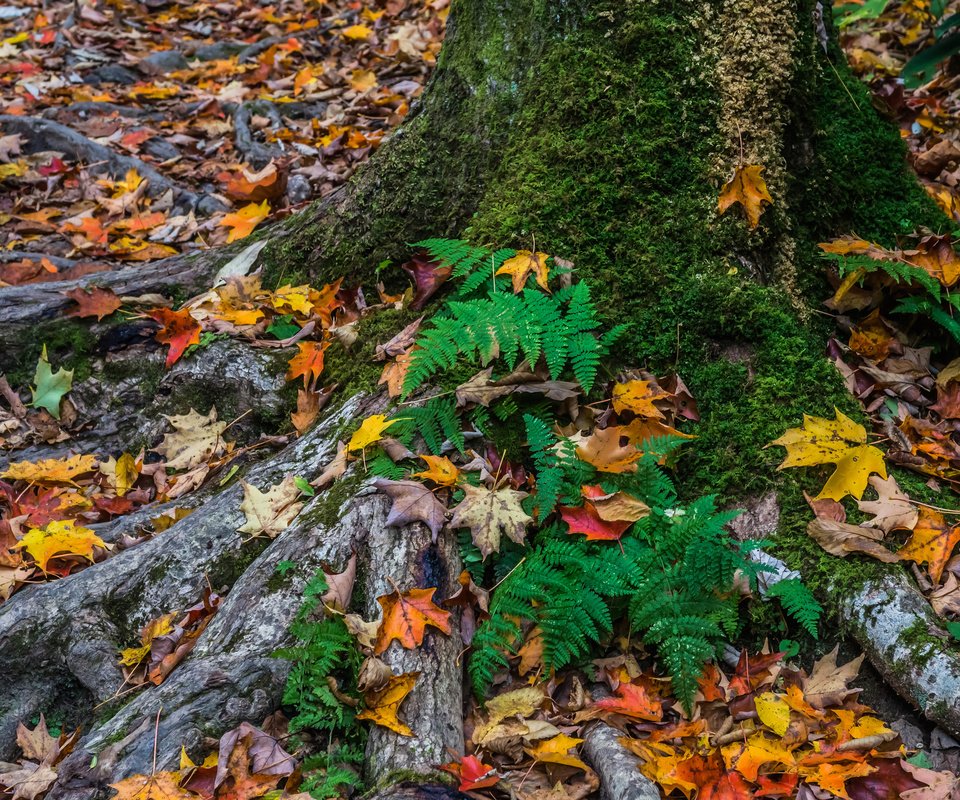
point(326, 511)
point(922, 644)
point(69, 346)
point(233, 563)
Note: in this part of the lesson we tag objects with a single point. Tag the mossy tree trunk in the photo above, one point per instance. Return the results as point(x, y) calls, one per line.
point(599, 131)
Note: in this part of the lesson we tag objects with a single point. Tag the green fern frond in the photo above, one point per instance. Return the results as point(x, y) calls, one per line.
point(798, 601)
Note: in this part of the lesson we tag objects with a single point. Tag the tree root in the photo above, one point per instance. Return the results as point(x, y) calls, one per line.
point(620, 776)
point(257, 154)
point(44, 134)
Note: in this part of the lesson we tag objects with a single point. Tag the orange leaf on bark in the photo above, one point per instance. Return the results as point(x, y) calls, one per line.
point(180, 330)
point(406, 617)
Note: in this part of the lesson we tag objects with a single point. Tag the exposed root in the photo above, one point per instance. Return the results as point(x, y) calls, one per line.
point(618, 768)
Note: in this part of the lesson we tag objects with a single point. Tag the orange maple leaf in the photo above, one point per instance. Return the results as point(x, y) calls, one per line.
point(932, 542)
point(748, 188)
point(180, 330)
point(242, 222)
point(308, 362)
point(406, 617)
point(97, 302)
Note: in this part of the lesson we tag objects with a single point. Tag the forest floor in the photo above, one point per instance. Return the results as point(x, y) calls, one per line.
point(134, 131)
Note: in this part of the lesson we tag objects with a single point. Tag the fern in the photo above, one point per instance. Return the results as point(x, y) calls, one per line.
point(383, 467)
point(900, 271)
point(436, 421)
point(798, 601)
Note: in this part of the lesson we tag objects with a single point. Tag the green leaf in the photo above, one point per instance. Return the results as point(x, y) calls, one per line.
point(304, 486)
point(50, 386)
point(953, 628)
point(283, 327)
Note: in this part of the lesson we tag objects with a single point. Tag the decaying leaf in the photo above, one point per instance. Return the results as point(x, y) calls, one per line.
point(411, 501)
point(383, 705)
point(272, 511)
point(931, 543)
point(748, 188)
point(195, 439)
point(489, 514)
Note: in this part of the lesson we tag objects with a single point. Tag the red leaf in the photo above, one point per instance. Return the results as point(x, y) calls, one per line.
point(586, 520)
point(179, 330)
point(472, 772)
point(428, 276)
point(97, 302)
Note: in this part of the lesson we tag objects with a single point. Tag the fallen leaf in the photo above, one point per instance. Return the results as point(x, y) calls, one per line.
point(488, 514)
point(748, 188)
point(931, 543)
point(603, 450)
point(308, 361)
point(412, 502)
point(371, 430)
point(842, 539)
point(195, 439)
point(50, 386)
point(383, 705)
point(179, 331)
point(585, 519)
point(892, 510)
point(242, 222)
point(51, 470)
point(524, 264)
point(270, 512)
point(59, 538)
point(557, 751)
point(638, 397)
point(472, 773)
point(828, 681)
point(406, 617)
point(773, 711)
point(96, 302)
point(442, 471)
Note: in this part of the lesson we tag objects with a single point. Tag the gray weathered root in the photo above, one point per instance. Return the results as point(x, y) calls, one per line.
point(618, 768)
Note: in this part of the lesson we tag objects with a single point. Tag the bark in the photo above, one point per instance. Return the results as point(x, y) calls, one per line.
point(594, 130)
point(618, 768)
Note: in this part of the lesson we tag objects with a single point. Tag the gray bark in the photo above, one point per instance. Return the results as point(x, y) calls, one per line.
point(618, 768)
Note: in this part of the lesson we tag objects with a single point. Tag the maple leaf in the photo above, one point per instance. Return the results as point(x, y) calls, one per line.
point(270, 512)
point(29, 781)
point(442, 471)
point(557, 751)
point(195, 439)
point(842, 442)
point(383, 705)
point(615, 507)
point(132, 656)
point(158, 786)
point(603, 450)
point(242, 222)
point(370, 431)
point(308, 408)
point(632, 700)
point(773, 711)
point(747, 757)
point(524, 264)
point(828, 681)
point(395, 372)
point(638, 397)
point(406, 616)
point(490, 513)
point(357, 32)
point(472, 773)
point(931, 543)
point(58, 538)
point(748, 188)
point(95, 302)
point(50, 386)
point(412, 502)
point(51, 470)
point(362, 80)
point(585, 519)
point(308, 361)
point(180, 330)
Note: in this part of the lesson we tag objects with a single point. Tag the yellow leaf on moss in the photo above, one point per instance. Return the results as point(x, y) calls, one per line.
point(839, 441)
point(522, 265)
point(748, 188)
point(61, 537)
point(369, 432)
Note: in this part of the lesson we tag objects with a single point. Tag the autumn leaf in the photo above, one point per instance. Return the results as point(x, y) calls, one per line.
point(758, 750)
point(488, 514)
point(472, 773)
point(557, 751)
point(524, 264)
point(308, 361)
point(59, 538)
point(931, 543)
point(638, 397)
point(383, 705)
point(828, 681)
point(270, 512)
point(51, 470)
point(585, 519)
point(406, 617)
point(357, 32)
point(132, 656)
point(121, 473)
point(840, 441)
point(95, 302)
point(442, 471)
point(618, 506)
point(632, 700)
point(428, 276)
point(195, 439)
point(773, 711)
point(892, 510)
point(370, 431)
point(604, 451)
point(158, 786)
point(842, 539)
point(50, 386)
point(748, 188)
point(242, 222)
point(179, 331)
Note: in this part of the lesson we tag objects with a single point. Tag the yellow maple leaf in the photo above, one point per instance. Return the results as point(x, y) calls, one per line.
point(747, 757)
point(748, 188)
point(357, 32)
point(370, 431)
point(242, 222)
point(773, 711)
point(442, 471)
point(132, 656)
point(556, 751)
point(362, 80)
point(60, 537)
point(51, 470)
point(839, 441)
point(523, 264)
point(158, 786)
point(384, 704)
point(638, 397)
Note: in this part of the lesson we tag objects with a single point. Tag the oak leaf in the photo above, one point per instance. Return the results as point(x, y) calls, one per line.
point(272, 511)
point(892, 510)
point(406, 616)
point(195, 439)
point(59, 538)
point(840, 441)
point(384, 704)
point(179, 331)
point(748, 188)
point(931, 543)
point(412, 502)
point(524, 264)
point(95, 302)
point(489, 514)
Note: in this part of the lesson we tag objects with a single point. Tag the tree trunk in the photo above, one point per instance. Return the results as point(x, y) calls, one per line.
point(596, 130)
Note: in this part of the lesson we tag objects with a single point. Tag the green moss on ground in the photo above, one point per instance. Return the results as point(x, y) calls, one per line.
point(69, 343)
